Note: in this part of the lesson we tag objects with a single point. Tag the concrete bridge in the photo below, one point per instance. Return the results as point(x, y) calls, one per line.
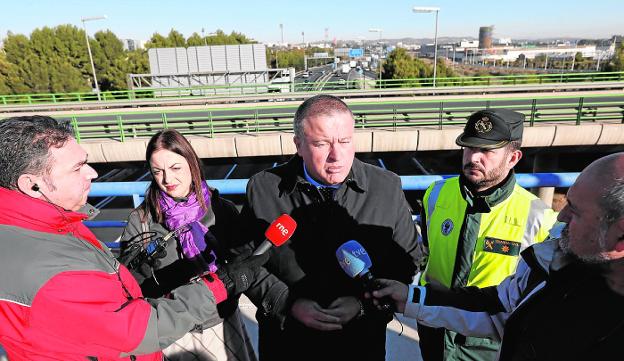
point(422, 138)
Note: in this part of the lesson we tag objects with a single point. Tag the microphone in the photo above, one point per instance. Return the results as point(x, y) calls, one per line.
point(277, 234)
point(354, 260)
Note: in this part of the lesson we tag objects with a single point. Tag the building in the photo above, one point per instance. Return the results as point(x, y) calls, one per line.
point(132, 44)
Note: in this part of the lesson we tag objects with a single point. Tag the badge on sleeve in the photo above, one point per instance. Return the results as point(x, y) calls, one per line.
point(447, 227)
point(500, 246)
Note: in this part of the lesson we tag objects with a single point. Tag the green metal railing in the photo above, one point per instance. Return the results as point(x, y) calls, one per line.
point(263, 88)
point(390, 115)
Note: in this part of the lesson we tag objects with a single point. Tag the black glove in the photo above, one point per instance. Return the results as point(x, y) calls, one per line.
point(238, 274)
point(141, 260)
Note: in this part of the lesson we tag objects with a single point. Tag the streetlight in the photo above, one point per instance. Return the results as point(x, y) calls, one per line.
point(204, 36)
point(375, 30)
point(84, 20)
point(436, 10)
point(282, 31)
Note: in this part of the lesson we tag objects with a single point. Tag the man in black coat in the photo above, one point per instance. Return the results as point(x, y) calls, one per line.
point(307, 305)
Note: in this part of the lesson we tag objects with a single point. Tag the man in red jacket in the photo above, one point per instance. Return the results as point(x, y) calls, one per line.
point(63, 296)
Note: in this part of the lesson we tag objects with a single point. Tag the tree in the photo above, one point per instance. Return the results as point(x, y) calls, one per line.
point(400, 65)
point(195, 40)
point(617, 62)
point(10, 82)
point(109, 58)
point(176, 39)
point(157, 41)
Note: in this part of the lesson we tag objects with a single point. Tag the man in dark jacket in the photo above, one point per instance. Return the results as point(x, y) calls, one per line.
point(565, 300)
point(308, 308)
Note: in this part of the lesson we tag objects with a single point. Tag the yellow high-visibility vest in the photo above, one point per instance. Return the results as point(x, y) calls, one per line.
point(510, 227)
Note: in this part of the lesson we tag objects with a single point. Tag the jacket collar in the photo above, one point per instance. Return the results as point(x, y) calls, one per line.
point(18, 209)
point(294, 175)
point(483, 202)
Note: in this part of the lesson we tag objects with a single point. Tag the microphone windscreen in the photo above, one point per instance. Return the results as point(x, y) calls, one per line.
point(353, 258)
point(281, 230)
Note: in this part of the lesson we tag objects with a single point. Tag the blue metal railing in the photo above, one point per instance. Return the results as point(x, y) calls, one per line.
point(410, 183)
point(238, 186)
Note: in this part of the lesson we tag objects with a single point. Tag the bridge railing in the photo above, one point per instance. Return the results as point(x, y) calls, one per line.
point(136, 190)
point(417, 113)
point(263, 88)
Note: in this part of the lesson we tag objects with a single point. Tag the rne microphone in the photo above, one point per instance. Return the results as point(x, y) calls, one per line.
point(277, 234)
point(354, 260)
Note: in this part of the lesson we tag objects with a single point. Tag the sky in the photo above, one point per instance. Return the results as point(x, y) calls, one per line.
point(344, 19)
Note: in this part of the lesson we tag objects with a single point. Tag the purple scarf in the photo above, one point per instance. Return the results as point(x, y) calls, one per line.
point(189, 212)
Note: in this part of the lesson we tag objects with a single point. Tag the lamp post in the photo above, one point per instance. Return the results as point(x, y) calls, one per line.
point(436, 10)
point(380, 50)
point(282, 32)
point(204, 36)
point(84, 26)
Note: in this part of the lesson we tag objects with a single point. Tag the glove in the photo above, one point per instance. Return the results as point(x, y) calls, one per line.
point(142, 260)
point(241, 272)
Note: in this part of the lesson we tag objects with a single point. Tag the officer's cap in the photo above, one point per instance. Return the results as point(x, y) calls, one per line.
point(491, 129)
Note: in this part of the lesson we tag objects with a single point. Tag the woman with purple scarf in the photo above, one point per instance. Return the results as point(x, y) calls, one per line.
point(178, 199)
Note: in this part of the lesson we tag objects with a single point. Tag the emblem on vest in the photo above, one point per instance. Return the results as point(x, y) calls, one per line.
point(483, 125)
point(500, 246)
point(447, 227)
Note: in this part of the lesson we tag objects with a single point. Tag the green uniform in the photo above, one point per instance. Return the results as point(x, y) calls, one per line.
point(476, 240)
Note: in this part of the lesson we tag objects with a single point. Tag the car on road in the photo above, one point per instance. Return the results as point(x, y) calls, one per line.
point(305, 74)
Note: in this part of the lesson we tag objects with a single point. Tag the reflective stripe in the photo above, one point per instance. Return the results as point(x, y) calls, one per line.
point(534, 222)
point(433, 199)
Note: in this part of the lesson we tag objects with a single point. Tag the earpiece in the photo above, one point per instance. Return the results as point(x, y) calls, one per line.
point(35, 187)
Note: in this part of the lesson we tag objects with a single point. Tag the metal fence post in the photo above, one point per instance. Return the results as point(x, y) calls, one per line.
point(120, 125)
point(579, 113)
point(440, 117)
point(74, 124)
point(533, 111)
point(256, 120)
point(394, 118)
point(164, 120)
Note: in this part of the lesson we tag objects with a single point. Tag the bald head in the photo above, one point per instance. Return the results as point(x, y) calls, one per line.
point(607, 175)
point(610, 167)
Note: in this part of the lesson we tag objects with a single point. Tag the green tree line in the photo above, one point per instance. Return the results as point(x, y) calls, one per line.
point(286, 58)
point(55, 60)
point(401, 65)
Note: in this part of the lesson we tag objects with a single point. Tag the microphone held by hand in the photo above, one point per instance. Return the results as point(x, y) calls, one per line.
point(354, 260)
point(277, 234)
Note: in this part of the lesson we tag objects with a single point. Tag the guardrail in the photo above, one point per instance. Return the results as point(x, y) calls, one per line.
point(263, 88)
point(210, 122)
point(136, 190)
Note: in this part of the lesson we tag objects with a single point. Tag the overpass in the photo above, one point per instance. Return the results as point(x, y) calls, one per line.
point(398, 125)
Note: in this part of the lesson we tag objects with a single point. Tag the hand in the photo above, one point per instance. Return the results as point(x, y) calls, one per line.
point(141, 263)
point(314, 316)
point(345, 308)
point(396, 290)
point(240, 273)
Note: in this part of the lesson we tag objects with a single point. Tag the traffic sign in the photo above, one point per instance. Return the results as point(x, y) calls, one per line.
point(356, 53)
